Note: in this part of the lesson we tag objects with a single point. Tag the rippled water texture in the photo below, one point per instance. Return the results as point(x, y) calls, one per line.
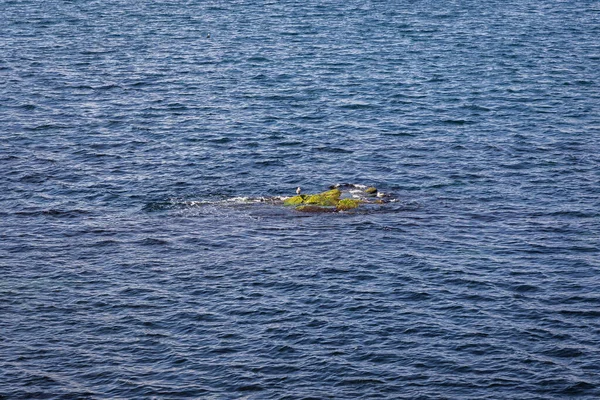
point(135, 264)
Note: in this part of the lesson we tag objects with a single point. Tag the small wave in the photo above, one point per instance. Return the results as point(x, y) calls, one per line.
point(357, 106)
point(153, 242)
point(456, 121)
point(330, 149)
point(44, 127)
point(270, 163)
point(54, 213)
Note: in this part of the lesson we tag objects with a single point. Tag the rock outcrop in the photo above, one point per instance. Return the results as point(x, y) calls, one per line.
point(332, 200)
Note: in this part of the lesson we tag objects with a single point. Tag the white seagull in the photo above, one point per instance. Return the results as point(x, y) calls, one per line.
point(298, 190)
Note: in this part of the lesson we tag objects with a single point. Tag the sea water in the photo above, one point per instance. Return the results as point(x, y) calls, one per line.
point(138, 141)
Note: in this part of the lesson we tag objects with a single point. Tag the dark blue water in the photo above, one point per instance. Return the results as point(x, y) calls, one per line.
point(135, 137)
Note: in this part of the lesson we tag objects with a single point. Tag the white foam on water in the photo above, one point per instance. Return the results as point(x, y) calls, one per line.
point(197, 203)
point(240, 199)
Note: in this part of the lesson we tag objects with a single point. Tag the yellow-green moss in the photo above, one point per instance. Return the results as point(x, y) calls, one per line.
point(328, 198)
point(328, 201)
point(293, 201)
point(371, 190)
point(347, 204)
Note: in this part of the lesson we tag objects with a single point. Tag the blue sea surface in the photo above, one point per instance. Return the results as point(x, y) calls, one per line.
point(138, 140)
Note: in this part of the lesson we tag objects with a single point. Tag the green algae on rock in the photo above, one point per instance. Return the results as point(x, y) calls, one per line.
point(294, 201)
point(347, 204)
point(328, 201)
point(329, 198)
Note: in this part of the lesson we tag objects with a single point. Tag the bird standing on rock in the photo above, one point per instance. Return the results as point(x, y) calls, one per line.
point(298, 190)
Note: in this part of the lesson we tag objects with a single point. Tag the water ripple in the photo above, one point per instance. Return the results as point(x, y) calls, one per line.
point(140, 258)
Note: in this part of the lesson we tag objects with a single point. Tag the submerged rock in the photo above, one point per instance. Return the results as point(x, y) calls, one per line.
point(315, 209)
point(341, 197)
point(347, 204)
